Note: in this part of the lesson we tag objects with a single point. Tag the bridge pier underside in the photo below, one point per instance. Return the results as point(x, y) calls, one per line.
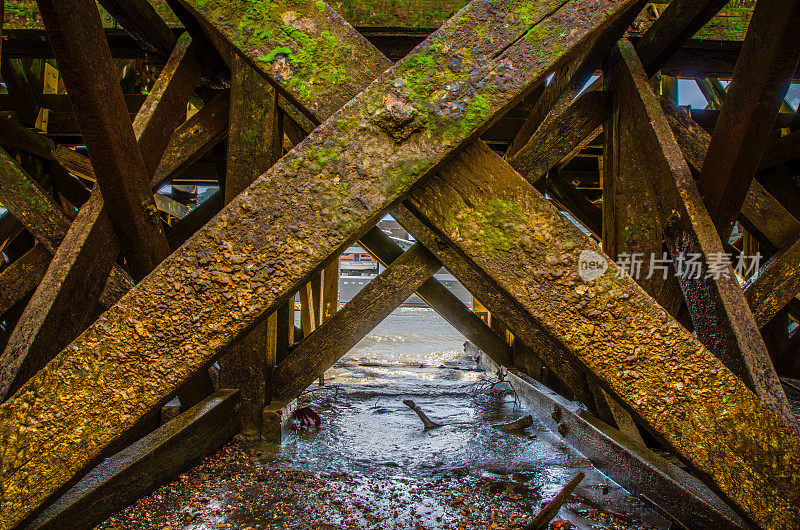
point(630, 255)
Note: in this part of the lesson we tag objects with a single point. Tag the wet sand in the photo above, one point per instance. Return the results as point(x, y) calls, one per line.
point(371, 465)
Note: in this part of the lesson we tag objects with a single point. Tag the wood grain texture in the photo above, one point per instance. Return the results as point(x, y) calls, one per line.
point(721, 317)
point(668, 380)
point(269, 240)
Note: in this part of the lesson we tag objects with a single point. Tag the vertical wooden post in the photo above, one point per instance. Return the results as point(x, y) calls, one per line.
point(254, 144)
point(479, 309)
point(330, 290)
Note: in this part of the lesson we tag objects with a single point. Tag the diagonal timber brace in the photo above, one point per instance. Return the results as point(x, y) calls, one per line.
point(269, 241)
point(674, 386)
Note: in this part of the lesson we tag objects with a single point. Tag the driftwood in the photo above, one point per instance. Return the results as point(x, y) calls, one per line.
point(551, 509)
point(425, 420)
point(516, 425)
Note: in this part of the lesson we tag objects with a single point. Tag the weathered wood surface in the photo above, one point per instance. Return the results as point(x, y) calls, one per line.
point(20, 279)
point(65, 300)
point(254, 144)
point(87, 68)
point(496, 299)
point(776, 285)
point(258, 253)
point(436, 295)
point(769, 56)
point(193, 138)
point(371, 305)
point(722, 320)
point(559, 133)
point(564, 193)
point(679, 22)
point(150, 462)
point(143, 23)
point(666, 378)
point(761, 213)
point(64, 303)
point(632, 223)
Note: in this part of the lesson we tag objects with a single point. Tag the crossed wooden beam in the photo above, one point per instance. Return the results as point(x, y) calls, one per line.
point(402, 138)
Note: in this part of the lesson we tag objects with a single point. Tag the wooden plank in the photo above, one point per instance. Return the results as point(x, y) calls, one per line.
point(762, 214)
point(333, 198)
point(441, 300)
point(721, 317)
point(197, 218)
point(677, 24)
point(769, 55)
point(142, 467)
point(498, 301)
point(64, 303)
point(193, 138)
point(254, 144)
point(670, 383)
point(776, 284)
point(31, 205)
point(330, 290)
point(82, 52)
point(559, 133)
point(65, 300)
point(141, 21)
point(19, 279)
point(319, 350)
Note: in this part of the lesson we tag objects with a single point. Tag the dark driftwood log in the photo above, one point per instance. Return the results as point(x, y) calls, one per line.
point(425, 419)
point(548, 512)
point(516, 425)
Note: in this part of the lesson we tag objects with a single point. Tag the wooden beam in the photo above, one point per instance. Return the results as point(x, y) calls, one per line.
point(436, 295)
point(559, 133)
point(141, 468)
point(82, 52)
point(677, 24)
point(633, 227)
point(64, 303)
point(761, 213)
point(670, 383)
point(769, 55)
point(319, 350)
point(776, 284)
point(781, 150)
point(569, 80)
point(499, 301)
point(330, 290)
point(720, 314)
point(333, 198)
point(254, 145)
point(31, 205)
point(19, 279)
point(575, 202)
point(20, 86)
point(141, 21)
point(194, 138)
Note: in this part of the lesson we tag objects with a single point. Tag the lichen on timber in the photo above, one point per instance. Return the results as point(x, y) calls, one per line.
point(303, 54)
